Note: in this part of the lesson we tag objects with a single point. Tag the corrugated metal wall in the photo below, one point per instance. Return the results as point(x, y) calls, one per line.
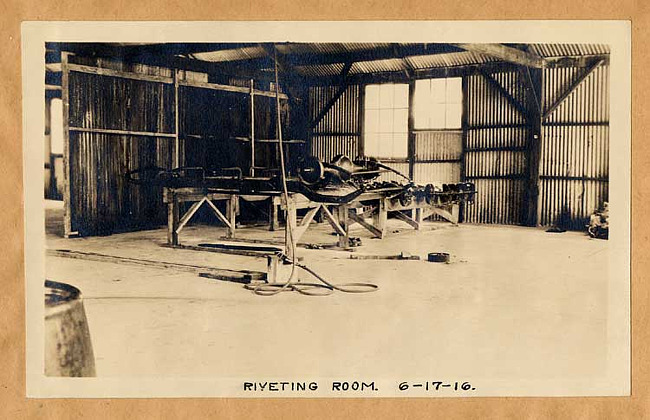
point(574, 162)
point(339, 131)
point(101, 201)
point(495, 160)
point(574, 168)
point(438, 156)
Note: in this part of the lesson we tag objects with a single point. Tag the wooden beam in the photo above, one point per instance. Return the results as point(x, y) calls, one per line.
point(65, 99)
point(177, 107)
point(401, 216)
point(411, 126)
point(343, 85)
point(332, 221)
point(359, 219)
point(531, 205)
point(187, 216)
point(304, 223)
point(495, 84)
point(409, 70)
point(120, 132)
point(505, 53)
point(587, 71)
point(121, 74)
point(229, 88)
point(219, 215)
point(53, 67)
point(575, 61)
point(399, 77)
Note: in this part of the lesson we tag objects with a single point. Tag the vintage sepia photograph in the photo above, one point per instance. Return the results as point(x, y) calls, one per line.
point(394, 209)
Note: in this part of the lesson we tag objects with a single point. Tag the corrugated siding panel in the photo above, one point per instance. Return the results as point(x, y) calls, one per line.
point(101, 200)
point(327, 147)
point(574, 168)
point(402, 167)
point(495, 160)
point(436, 173)
point(438, 145)
point(339, 130)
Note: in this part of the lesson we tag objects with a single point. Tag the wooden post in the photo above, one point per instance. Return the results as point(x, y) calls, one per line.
point(380, 218)
point(67, 178)
point(464, 135)
point(177, 142)
point(534, 146)
point(361, 119)
point(344, 240)
point(231, 214)
point(418, 217)
point(273, 214)
point(252, 171)
point(272, 267)
point(172, 218)
point(411, 132)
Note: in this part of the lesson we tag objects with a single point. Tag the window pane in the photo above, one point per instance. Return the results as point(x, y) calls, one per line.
point(386, 96)
point(401, 121)
point(400, 145)
point(401, 96)
point(371, 123)
point(371, 144)
point(438, 90)
point(454, 90)
point(386, 121)
point(454, 114)
point(385, 145)
point(421, 117)
point(372, 97)
point(438, 116)
point(421, 101)
point(423, 87)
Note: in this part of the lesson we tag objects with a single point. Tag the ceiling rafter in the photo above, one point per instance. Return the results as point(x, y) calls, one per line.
point(505, 53)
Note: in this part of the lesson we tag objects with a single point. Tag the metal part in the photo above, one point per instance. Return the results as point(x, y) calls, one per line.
point(438, 257)
point(338, 182)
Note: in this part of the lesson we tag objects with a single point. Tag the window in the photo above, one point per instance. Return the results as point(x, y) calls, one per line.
point(438, 103)
point(386, 121)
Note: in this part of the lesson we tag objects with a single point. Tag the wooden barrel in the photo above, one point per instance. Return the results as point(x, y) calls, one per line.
point(68, 350)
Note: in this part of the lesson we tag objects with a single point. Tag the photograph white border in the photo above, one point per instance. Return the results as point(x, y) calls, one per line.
point(615, 380)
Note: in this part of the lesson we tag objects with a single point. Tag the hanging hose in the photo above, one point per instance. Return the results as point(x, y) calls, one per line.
point(275, 288)
point(325, 288)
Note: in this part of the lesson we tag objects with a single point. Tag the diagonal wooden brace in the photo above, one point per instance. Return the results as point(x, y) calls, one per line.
point(219, 215)
point(401, 216)
point(332, 221)
point(360, 220)
point(304, 223)
point(190, 213)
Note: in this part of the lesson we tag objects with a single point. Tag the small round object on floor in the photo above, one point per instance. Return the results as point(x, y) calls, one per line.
point(438, 257)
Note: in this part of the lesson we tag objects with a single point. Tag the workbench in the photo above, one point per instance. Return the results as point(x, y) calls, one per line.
point(373, 205)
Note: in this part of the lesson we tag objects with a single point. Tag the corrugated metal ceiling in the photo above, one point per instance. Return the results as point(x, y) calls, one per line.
point(407, 62)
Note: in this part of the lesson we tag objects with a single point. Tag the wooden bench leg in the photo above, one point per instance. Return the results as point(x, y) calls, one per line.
point(273, 215)
point(172, 221)
point(344, 240)
point(231, 212)
point(379, 219)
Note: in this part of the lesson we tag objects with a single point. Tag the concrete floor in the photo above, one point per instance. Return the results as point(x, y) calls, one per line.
point(514, 303)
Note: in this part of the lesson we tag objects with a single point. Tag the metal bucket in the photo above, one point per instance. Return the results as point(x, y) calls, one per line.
point(68, 350)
